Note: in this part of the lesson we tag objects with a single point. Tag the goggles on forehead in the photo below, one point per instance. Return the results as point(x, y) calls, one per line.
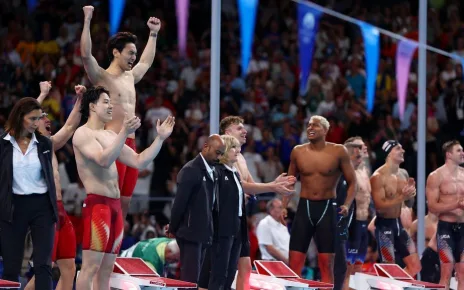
point(43, 115)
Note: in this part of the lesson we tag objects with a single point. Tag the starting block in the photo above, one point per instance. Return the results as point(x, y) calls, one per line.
point(134, 274)
point(277, 275)
point(389, 277)
point(4, 284)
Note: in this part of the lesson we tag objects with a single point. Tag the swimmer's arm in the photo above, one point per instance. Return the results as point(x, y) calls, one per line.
point(186, 180)
point(92, 150)
point(432, 190)
point(142, 160)
point(350, 177)
point(146, 60)
point(66, 132)
point(292, 171)
point(93, 70)
point(257, 188)
point(378, 194)
point(43, 94)
point(292, 168)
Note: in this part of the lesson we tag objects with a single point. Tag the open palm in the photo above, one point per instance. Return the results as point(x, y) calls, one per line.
point(164, 130)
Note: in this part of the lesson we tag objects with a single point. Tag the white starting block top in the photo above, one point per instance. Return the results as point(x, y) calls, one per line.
point(276, 275)
point(389, 277)
point(134, 274)
point(4, 284)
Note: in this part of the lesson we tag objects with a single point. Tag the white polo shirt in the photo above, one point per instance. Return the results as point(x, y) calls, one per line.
point(27, 171)
point(272, 232)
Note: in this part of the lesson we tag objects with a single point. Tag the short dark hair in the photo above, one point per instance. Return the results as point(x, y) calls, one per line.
point(119, 41)
point(227, 121)
point(448, 146)
point(14, 124)
point(91, 96)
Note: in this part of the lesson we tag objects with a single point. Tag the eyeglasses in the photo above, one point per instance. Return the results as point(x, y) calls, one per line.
point(43, 115)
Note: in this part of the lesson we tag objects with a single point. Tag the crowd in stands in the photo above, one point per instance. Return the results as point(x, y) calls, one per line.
point(44, 45)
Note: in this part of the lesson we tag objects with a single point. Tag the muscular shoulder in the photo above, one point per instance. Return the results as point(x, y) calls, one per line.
point(377, 177)
point(299, 148)
point(435, 177)
point(81, 135)
point(403, 173)
point(339, 149)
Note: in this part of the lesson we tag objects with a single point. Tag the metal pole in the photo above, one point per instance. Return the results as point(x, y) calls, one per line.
point(421, 123)
point(215, 66)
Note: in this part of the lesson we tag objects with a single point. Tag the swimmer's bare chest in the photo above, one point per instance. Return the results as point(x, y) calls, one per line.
point(97, 179)
point(451, 190)
point(393, 186)
point(123, 98)
point(319, 172)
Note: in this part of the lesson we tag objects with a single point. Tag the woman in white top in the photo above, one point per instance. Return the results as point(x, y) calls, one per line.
point(27, 193)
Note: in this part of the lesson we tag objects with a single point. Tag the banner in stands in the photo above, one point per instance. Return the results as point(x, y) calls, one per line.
point(308, 24)
point(116, 10)
point(372, 49)
point(404, 55)
point(247, 13)
point(182, 13)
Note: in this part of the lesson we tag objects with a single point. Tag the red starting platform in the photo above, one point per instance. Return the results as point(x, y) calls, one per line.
point(389, 277)
point(276, 275)
point(4, 284)
point(135, 274)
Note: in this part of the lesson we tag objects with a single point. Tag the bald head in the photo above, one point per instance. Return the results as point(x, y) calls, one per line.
point(214, 138)
point(213, 148)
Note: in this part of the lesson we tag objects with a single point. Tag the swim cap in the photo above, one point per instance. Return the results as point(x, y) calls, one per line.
point(388, 146)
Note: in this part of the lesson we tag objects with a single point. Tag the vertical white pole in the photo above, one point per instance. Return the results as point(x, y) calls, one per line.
point(215, 66)
point(421, 122)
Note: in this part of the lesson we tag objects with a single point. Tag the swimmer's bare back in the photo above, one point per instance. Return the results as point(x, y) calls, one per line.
point(387, 188)
point(451, 191)
point(122, 94)
point(95, 178)
point(319, 170)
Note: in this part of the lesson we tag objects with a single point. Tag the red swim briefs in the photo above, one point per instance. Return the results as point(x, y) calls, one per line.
point(64, 246)
point(127, 175)
point(103, 224)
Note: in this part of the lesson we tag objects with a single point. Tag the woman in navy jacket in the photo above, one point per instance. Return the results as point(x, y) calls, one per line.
point(27, 193)
point(230, 228)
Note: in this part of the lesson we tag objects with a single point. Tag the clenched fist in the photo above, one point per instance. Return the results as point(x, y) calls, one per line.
point(154, 24)
point(88, 12)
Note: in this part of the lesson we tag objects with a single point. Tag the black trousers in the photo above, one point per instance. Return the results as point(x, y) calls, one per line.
point(192, 255)
point(340, 267)
point(34, 212)
point(220, 265)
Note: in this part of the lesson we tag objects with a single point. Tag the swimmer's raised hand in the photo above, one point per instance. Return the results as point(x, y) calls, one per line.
point(88, 12)
point(131, 124)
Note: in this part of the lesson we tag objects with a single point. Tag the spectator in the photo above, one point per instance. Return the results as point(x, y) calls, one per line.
point(273, 237)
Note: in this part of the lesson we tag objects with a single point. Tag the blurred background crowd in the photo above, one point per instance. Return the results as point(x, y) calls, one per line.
point(44, 45)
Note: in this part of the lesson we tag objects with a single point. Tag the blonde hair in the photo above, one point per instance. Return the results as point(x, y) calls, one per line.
point(230, 142)
point(321, 120)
